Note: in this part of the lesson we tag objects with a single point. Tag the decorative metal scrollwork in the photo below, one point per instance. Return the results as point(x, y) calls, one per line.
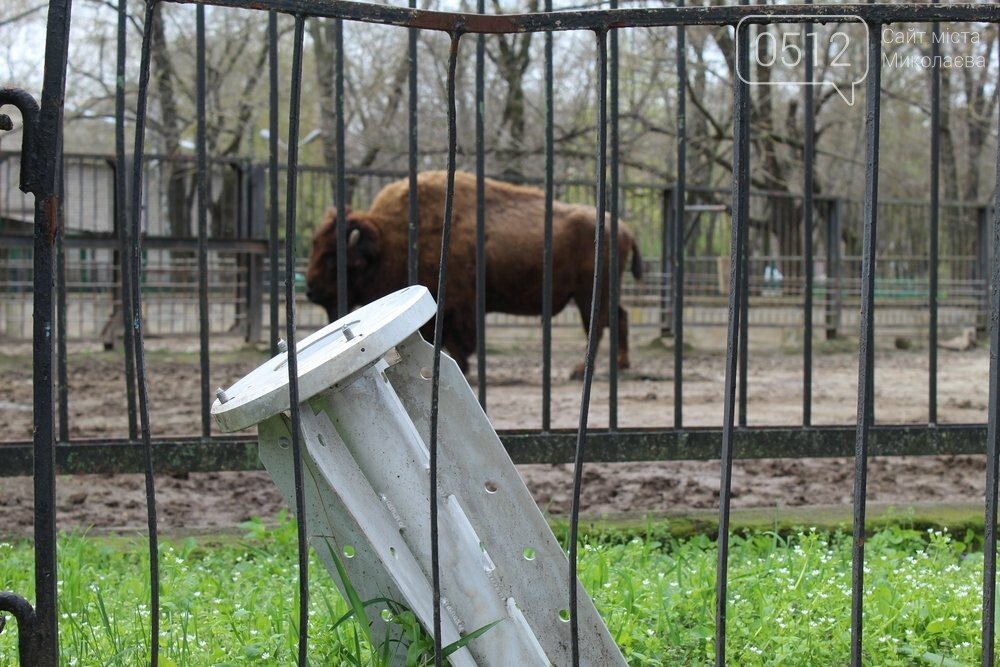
point(26, 104)
point(25, 615)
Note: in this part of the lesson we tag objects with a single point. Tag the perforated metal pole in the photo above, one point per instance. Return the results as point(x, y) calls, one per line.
point(364, 386)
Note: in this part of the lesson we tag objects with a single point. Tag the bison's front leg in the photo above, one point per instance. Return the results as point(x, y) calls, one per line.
point(461, 359)
point(460, 338)
point(449, 342)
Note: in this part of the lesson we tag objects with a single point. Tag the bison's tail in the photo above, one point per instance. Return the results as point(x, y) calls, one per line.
point(636, 261)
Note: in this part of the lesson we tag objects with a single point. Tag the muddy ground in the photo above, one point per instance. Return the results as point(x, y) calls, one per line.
point(97, 409)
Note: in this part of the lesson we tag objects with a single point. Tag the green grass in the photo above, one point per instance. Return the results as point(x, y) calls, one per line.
point(232, 600)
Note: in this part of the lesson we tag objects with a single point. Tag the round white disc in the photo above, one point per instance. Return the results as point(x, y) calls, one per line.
point(329, 355)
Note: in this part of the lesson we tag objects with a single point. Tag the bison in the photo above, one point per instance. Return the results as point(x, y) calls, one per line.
point(515, 216)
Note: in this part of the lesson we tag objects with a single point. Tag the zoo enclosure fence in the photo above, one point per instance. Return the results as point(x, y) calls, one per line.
point(41, 175)
point(239, 279)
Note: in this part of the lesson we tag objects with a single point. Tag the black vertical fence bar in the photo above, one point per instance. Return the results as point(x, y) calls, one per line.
point(982, 258)
point(202, 179)
point(294, 105)
point(834, 301)
point(871, 331)
point(48, 153)
point(614, 283)
point(122, 222)
point(547, 243)
point(737, 286)
point(62, 378)
point(744, 304)
point(866, 339)
point(272, 175)
point(140, 352)
point(449, 200)
point(679, 196)
point(992, 441)
point(341, 184)
point(46, 599)
point(744, 326)
point(808, 159)
point(481, 212)
point(600, 243)
point(934, 213)
point(254, 194)
point(413, 229)
point(668, 284)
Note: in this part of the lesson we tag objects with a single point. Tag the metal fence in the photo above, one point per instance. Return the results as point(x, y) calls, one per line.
point(41, 175)
point(239, 280)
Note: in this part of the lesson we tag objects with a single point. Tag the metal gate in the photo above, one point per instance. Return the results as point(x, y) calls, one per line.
point(40, 175)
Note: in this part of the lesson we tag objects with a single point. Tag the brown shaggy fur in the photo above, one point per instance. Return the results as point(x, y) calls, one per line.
point(514, 237)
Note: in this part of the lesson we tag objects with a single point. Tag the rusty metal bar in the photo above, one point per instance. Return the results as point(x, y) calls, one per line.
point(293, 363)
point(614, 280)
point(992, 443)
point(41, 155)
point(62, 375)
point(744, 321)
point(195, 454)
point(413, 219)
point(834, 270)
point(866, 341)
point(122, 221)
point(202, 188)
point(680, 216)
point(343, 307)
point(547, 242)
point(934, 215)
point(740, 221)
point(481, 212)
point(668, 286)
point(808, 160)
point(140, 352)
point(272, 175)
point(449, 202)
point(46, 596)
point(595, 329)
point(603, 20)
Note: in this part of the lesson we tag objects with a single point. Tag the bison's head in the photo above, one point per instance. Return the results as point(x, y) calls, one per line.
point(362, 261)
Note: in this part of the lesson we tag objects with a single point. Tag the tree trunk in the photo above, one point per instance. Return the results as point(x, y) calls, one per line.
point(177, 173)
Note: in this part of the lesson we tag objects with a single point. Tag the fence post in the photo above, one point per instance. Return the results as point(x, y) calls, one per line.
point(109, 334)
point(983, 254)
point(834, 270)
point(255, 277)
point(667, 287)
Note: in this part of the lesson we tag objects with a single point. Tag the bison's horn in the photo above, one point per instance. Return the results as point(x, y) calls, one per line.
point(354, 237)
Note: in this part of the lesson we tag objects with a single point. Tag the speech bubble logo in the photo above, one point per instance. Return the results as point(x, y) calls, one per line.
point(783, 52)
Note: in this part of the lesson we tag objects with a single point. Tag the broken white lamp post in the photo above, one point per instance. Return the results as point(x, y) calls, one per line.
point(365, 396)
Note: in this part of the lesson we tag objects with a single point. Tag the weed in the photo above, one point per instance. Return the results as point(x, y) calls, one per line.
point(234, 602)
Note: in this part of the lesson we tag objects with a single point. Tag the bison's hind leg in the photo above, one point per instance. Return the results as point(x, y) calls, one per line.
point(460, 339)
point(623, 361)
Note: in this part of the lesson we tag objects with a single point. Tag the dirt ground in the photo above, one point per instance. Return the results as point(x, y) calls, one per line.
point(97, 409)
